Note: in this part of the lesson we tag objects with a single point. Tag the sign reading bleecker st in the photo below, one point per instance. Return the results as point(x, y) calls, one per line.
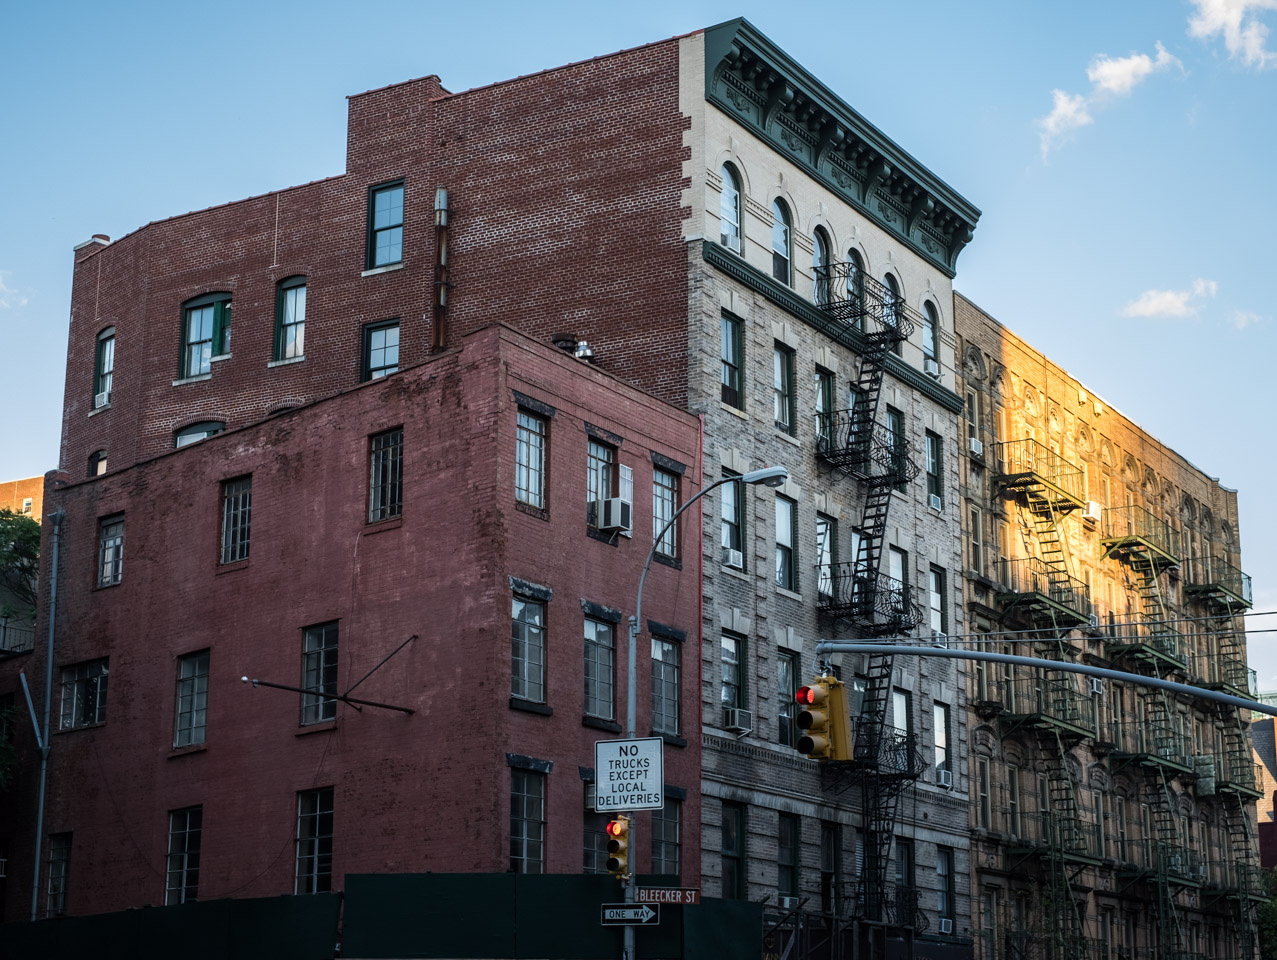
point(629, 775)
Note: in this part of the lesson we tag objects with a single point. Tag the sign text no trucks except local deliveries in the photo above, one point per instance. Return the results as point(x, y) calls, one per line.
point(629, 775)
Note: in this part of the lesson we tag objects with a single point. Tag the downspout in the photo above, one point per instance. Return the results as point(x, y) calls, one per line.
point(43, 740)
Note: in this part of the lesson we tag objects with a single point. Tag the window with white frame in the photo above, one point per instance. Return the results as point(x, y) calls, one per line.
point(729, 209)
point(781, 242)
point(182, 864)
point(84, 694)
point(826, 554)
point(940, 733)
point(104, 368)
point(529, 459)
point(527, 641)
point(600, 669)
point(110, 550)
point(319, 673)
point(732, 651)
point(314, 861)
point(820, 266)
point(732, 518)
point(783, 399)
point(936, 600)
point(290, 319)
point(664, 506)
point(786, 705)
point(527, 821)
point(191, 700)
point(935, 489)
point(786, 521)
point(665, 686)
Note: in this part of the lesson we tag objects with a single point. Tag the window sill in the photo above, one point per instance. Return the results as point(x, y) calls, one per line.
point(96, 410)
point(671, 739)
point(539, 512)
point(668, 561)
point(322, 727)
point(734, 411)
point(284, 363)
point(529, 706)
point(187, 750)
point(77, 729)
point(220, 357)
point(789, 593)
point(231, 567)
point(107, 586)
point(598, 723)
point(195, 379)
point(388, 268)
point(611, 539)
point(733, 572)
point(381, 526)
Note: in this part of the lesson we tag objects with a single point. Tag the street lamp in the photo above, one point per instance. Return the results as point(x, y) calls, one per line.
point(768, 477)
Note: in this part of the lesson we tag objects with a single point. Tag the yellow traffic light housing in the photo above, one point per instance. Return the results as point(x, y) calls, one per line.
point(825, 720)
point(618, 842)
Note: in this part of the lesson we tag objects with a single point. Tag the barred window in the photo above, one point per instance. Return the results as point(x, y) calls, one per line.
point(319, 673)
point(59, 869)
point(314, 873)
point(183, 865)
point(600, 669)
point(527, 821)
point(237, 510)
point(665, 686)
point(385, 485)
point(83, 694)
point(527, 643)
point(529, 460)
point(192, 699)
point(110, 551)
point(664, 506)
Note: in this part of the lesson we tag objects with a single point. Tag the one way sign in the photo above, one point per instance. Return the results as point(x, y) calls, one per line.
point(639, 914)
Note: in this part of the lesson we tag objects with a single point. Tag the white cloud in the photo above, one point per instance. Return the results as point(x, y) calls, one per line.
point(1118, 76)
point(1110, 77)
point(1244, 36)
point(1170, 303)
point(10, 298)
point(1244, 318)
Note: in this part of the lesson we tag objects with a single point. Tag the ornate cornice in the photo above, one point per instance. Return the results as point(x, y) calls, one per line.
point(804, 310)
point(760, 86)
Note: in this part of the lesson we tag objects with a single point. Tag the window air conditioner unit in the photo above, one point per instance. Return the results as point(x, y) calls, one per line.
point(976, 446)
point(1095, 621)
point(935, 501)
point(939, 638)
point(1097, 686)
point(944, 778)
point(790, 903)
point(614, 514)
point(931, 367)
point(735, 718)
point(1092, 512)
point(101, 400)
point(733, 558)
point(946, 925)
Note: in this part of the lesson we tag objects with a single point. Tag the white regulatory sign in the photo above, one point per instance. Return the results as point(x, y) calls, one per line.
point(629, 775)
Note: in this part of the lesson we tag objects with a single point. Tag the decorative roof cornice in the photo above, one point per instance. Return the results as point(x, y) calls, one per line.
point(760, 86)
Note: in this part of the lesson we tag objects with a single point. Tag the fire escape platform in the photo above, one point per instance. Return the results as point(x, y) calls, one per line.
point(1225, 596)
point(1042, 610)
point(1036, 491)
point(1157, 652)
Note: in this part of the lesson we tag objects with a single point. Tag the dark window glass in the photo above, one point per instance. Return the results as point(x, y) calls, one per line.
point(385, 225)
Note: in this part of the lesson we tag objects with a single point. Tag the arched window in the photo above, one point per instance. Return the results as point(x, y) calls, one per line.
point(729, 210)
point(197, 431)
point(290, 319)
point(931, 339)
point(856, 287)
point(820, 266)
point(891, 305)
point(780, 241)
point(97, 463)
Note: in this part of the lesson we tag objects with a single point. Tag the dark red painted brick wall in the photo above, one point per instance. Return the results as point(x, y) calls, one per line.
point(564, 190)
point(412, 793)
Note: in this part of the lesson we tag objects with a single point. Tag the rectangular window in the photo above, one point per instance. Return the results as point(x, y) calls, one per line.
point(665, 686)
point(1097, 806)
point(593, 836)
point(600, 668)
point(319, 673)
point(527, 641)
point(733, 522)
point(104, 368)
point(898, 572)
point(59, 869)
point(786, 520)
point(666, 842)
point(940, 722)
point(191, 700)
point(904, 870)
point(206, 333)
point(601, 478)
point(527, 821)
point(732, 653)
point(732, 355)
point(1119, 814)
point(237, 513)
point(385, 225)
point(901, 711)
point(786, 688)
point(529, 460)
point(1014, 825)
point(944, 883)
point(975, 541)
point(936, 601)
point(110, 550)
point(935, 495)
point(664, 506)
point(787, 855)
point(783, 388)
point(182, 869)
point(385, 480)
point(826, 554)
point(290, 320)
point(898, 444)
point(381, 350)
point(732, 851)
point(83, 694)
point(314, 841)
point(824, 406)
point(985, 805)
point(830, 867)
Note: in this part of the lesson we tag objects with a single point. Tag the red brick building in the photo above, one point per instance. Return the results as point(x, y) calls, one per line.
point(446, 503)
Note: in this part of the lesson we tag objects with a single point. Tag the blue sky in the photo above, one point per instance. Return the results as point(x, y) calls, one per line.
point(1121, 154)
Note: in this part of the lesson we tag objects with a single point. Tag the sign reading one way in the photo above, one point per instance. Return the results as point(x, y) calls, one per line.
point(629, 775)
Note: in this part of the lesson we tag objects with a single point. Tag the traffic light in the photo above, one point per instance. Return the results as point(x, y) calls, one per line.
point(824, 720)
point(618, 841)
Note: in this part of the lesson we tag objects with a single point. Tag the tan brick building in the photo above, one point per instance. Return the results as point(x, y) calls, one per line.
point(23, 496)
point(1108, 819)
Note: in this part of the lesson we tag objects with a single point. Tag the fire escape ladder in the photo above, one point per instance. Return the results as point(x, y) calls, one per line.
point(1247, 870)
point(1066, 836)
point(1152, 609)
point(1170, 848)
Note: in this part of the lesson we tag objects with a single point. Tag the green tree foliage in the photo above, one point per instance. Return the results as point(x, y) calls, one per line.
point(19, 562)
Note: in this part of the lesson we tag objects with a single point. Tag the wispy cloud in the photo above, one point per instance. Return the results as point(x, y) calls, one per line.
point(10, 298)
point(1111, 77)
point(1237, 20)
point(1244, 318)
point(1170, 303)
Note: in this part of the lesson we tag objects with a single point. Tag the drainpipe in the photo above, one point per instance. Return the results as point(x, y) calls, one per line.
point(43, 740)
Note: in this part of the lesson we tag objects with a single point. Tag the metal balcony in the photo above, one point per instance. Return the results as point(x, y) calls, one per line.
point(1028, 470)
point(1237, 772)
point(1054, 834)
point(1217, 581)
point(1131, 533)
point(852, 297)
point(1049, 700)
point(872, 600)
point(15, 638)
point(865, 451)
point(1149, 743)
point(1180, 863)
point(1047, 596)
point(1226, 672)
point(1151, 643)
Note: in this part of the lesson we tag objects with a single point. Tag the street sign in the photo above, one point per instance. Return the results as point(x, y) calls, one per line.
point(684, 896)
point(629, 775)
point(625, 914)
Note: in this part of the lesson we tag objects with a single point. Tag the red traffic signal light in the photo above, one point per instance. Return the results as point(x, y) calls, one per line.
point(824, 720)
point(618, 841)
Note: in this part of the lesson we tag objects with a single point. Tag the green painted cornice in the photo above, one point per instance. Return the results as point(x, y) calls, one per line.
point(756, 83)
point(804, 310)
